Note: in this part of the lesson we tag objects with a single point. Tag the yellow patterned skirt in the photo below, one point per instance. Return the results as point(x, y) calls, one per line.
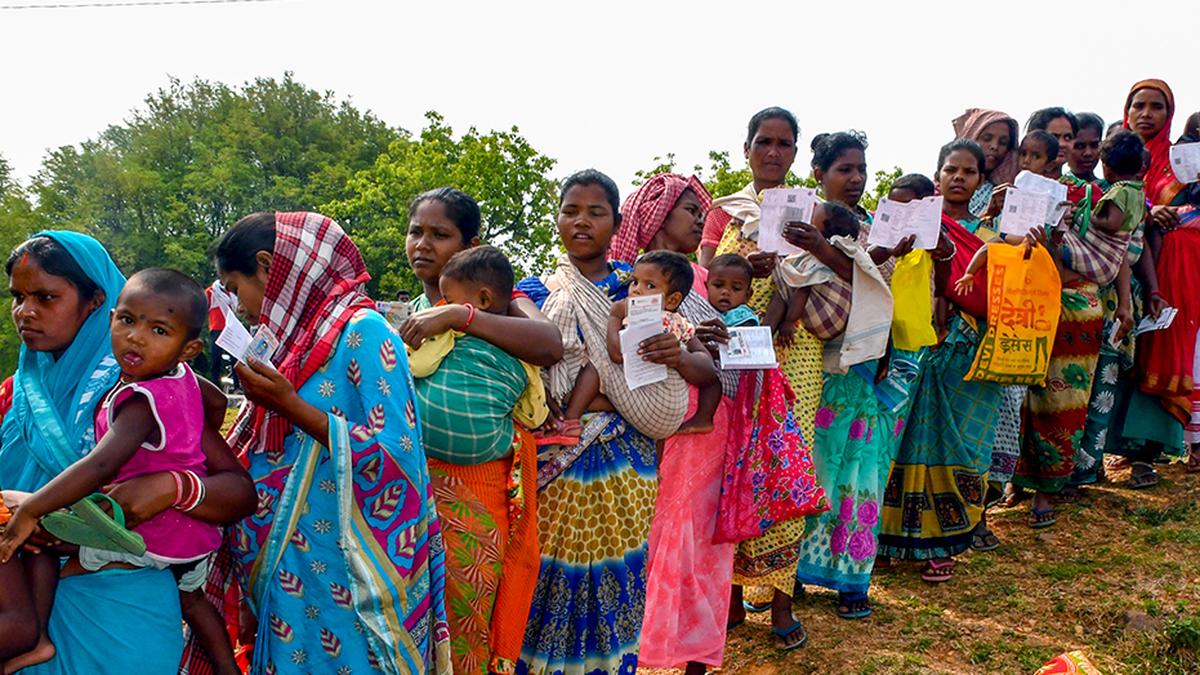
point(771, 560)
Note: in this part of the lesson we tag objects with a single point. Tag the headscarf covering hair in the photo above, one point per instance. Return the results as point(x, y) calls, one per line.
point(645, 211)
point(971, 124)
point(1161, 186)
point(317, 284)
point(47, 421)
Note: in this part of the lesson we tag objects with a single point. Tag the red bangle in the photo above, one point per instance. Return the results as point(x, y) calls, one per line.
point(178, 488)
point(1157, 294)
point(470, 317)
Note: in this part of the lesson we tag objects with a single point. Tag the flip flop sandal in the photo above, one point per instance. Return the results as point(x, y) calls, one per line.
point(984, 541)
point(756, 608)
point(1144, 476)
point(84, 523)
point(1042, 518)
point(857, 608)
point(936, 572)
point(783, 633)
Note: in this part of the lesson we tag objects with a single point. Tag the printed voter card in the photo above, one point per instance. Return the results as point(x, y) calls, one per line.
point(263, 345)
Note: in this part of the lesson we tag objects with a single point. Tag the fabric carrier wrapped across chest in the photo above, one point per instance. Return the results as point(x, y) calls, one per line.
point(466, 405)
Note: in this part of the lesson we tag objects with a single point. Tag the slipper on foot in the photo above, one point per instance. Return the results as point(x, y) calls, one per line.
point(784, 633)
point(756, 608)
point(1042, 518)
point(938, 571)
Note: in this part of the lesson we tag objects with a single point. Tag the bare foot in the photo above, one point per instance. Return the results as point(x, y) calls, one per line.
point(696, 426)
point(42, 652)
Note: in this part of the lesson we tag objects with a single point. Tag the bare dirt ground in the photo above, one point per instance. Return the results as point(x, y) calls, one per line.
point(1118, 577)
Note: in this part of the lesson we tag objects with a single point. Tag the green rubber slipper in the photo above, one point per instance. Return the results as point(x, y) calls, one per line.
point(86, 524)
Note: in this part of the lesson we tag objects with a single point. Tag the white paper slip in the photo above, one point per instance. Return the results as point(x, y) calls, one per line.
point(1056, 191)
point(749, 348)
point(1185, 162)
point(396, 313)
point(781, 206)
point(894, 221)
point(638, 371)
point(644, 309)
point(234, 338)
point(1164, 320)
point(1023, 211)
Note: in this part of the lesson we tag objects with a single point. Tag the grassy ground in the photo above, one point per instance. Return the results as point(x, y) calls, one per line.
point(1118, 577)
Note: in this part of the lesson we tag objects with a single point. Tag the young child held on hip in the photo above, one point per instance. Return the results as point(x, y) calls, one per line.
point(151, 422)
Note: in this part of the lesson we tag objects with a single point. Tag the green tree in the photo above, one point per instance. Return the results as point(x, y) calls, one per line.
point(160, 187)
point(17, 221)
point(720, 178)
point(500, 169)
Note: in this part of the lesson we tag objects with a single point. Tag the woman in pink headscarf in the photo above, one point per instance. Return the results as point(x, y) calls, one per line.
point(687, 584)
point(997, 134)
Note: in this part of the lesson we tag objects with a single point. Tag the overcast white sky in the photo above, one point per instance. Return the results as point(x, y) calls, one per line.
point(606, 84)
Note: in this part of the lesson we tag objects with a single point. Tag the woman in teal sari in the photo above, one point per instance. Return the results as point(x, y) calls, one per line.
point(343, 561)
point(935, 495)
point(119, 619)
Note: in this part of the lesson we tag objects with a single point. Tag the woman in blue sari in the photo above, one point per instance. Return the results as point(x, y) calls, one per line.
point(343, 560)
point(119, 619)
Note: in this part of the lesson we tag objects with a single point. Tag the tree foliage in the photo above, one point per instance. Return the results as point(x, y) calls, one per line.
point(159, 188)
point(500, 169)
point(17, 221)
point(720, 178)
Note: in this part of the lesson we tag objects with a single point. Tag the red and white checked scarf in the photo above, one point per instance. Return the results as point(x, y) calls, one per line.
point(317, 283)
point(645, 211)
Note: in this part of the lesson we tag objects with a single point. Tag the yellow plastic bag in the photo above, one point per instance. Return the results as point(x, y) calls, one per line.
point(912, 319)
point(1024, 303)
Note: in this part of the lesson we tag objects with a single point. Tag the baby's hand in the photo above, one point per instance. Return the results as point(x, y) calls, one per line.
point(965, 285)
point(16, 532)
point(787, 333)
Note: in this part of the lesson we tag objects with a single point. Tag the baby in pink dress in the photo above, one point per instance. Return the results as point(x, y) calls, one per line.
point(150, 422)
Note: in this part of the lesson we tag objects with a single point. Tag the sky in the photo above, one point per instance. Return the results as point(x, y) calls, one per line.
point(607, 85)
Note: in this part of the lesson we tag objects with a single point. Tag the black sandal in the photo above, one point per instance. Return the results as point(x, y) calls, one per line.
point(984, 540)
point(1143, 476)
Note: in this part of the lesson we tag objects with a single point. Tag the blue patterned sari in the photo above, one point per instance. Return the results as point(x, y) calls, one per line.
point(594, 518)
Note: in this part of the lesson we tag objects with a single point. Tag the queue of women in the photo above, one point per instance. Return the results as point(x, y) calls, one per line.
point(477, 489)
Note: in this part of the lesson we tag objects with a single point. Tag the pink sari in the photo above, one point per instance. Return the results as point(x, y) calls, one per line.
point(687, 585)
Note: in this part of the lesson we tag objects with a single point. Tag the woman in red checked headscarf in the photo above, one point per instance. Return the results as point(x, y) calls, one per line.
point(665, 214)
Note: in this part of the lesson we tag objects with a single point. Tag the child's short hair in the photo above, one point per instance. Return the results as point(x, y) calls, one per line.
point(1114, 128)
point(917, 183)
point(484, 265)
point(734, 261)
point(840, 221)
point(177, 286)
point(674, 266)
point(1047, 140)
point(1122, 152)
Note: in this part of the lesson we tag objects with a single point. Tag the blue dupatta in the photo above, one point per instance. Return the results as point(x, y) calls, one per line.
point(50, 420)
